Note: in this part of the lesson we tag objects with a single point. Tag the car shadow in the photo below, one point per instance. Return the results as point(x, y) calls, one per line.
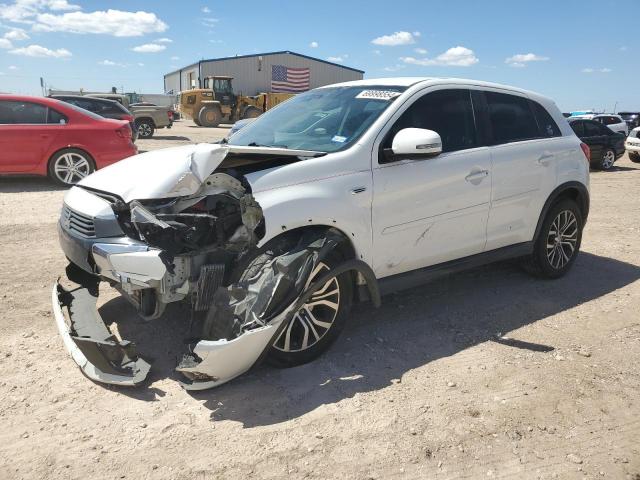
point(378, 346)
point(24, 183)
point(167, 137)
point(222, 125)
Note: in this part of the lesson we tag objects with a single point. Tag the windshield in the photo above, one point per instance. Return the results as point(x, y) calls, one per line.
point(323, 120)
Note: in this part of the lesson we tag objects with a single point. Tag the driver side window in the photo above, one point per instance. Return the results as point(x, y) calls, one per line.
point(447, 112)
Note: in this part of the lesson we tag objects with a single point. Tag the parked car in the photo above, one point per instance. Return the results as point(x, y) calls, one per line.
point(613, 122)
point(172, 113)
point(148, 118)
point(632, 119)
point(103, 107)
point(606, 146)
point(632, 145)
point(44, 136)
point(342, 193)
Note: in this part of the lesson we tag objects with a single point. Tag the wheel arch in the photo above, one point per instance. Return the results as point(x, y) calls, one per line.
point(150, 119)
point(573, 190)
point(71, 147)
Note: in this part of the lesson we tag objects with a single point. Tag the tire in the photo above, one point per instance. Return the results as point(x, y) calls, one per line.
point(145, 128)
point(209, 117)
point(634, 157)
point(607, 161)
point(197, 122)
point(67, 167)
point(554, 255)
point(251, 112)
point(289, 349)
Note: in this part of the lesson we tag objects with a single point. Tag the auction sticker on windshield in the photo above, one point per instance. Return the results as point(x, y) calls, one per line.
point(378, 94)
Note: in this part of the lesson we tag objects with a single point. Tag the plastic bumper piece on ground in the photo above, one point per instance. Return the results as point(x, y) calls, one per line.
point(99, 354)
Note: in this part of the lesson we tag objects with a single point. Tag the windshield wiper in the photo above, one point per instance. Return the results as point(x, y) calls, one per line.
point(254, 144)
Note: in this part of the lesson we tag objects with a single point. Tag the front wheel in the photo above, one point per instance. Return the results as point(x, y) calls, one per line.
point(69, 166)
point(319, 322)
point(558, 243)
point(209, 117)
point(608, 159)
point(634, 157)
point(251, 112)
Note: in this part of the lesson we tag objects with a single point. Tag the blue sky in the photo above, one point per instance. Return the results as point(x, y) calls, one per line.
point(577, 52)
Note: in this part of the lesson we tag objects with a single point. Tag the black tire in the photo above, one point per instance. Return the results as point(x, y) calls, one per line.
point(197, 122)
point(209, 117)
point(543, 263)
point(277, 355)
point(634, 157)
point(145, 128)
point(607, 160)
point(251, 112)
point(67, 167)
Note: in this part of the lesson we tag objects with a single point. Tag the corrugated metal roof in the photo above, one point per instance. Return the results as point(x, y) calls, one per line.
point(264, 55)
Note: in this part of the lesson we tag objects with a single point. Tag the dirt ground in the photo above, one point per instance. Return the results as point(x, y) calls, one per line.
point(484, 374)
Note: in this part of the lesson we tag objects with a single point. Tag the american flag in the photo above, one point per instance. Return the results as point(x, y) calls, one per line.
point(290, 80)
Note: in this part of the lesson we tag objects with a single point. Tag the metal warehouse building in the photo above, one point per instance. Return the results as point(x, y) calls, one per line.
point(252, 74)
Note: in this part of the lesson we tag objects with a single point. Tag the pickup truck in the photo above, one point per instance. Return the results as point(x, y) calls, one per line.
point(148, 118)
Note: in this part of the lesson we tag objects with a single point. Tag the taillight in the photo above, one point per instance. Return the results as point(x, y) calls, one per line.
point(170, 114)
point(586, 150)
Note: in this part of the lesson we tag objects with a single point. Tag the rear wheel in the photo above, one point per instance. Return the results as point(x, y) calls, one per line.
point(634, 157)
point(319, 322)
point(197, 122)
point(145, 128)
point(209, 117)
point(558, 243)
point(69, 166)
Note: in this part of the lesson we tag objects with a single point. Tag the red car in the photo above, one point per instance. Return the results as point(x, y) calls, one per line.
point(43, 136)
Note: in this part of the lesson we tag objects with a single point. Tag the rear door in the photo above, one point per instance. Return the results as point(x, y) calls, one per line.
point(24, 135)
point(524, 155)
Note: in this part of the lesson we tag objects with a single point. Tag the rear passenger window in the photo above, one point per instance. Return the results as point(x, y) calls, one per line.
point(447, 112)
point(56, 117)
point(578, 128)
point(511, 118)
point(592, 129)
point(546, 125)
point(15, 112)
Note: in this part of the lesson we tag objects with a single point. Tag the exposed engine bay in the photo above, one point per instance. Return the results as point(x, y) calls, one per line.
point(192, 243)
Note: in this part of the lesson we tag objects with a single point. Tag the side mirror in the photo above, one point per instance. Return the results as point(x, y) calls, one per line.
point(415, 143)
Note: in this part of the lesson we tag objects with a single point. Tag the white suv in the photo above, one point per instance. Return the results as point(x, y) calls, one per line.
point(343, 193)
point(615, 122)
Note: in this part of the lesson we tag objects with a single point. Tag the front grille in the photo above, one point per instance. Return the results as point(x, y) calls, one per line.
point(77, 223)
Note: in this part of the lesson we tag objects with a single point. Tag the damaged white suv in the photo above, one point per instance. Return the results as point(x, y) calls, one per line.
point(342, 193)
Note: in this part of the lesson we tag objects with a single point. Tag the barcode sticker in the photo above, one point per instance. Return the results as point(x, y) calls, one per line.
point(378, 94)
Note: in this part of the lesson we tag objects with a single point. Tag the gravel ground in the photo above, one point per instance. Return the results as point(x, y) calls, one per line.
point(484, 374)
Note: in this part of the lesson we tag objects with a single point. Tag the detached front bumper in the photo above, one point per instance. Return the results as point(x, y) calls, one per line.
point(98, 353)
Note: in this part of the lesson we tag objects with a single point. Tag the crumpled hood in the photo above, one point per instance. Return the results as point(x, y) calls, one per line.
point(172, 172)
point(169, 172)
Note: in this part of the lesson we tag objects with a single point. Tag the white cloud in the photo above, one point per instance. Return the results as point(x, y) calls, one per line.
point(39, 51)
point(521, 60)
point(110, 63)
point(140, 64)
point(596, 70)
point(421, 51)
point(394, 68)
point(397, 38)
point(149, 48)
point(4, 43)
point(16, 34)
point(110, 22)
point(454, 57)
point(587, 70)
point(23, 11)
point(338, 58)
point(174, 58)
point(313, 44)
point(209, 22)
point(206, 10)
point(605, 70)
point(13, 67)
point(164, 40)
point(377, 52)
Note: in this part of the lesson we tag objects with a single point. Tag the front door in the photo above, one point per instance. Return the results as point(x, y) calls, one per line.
point(434, 210)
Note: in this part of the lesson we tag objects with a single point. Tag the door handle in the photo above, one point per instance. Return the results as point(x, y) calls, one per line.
point(476, 175)
point(357, 190)
point(545, 158)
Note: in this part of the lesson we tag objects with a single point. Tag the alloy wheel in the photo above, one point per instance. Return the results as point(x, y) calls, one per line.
point(71, 167)
point(608, 159)
point(314, 319)
point(144, 130)
point(562, 239)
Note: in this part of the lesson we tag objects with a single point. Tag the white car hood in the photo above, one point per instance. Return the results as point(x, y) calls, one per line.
point(171, 172)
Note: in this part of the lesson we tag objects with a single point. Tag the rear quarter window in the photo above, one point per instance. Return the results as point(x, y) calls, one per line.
point(547, 126)
point(511, 118)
